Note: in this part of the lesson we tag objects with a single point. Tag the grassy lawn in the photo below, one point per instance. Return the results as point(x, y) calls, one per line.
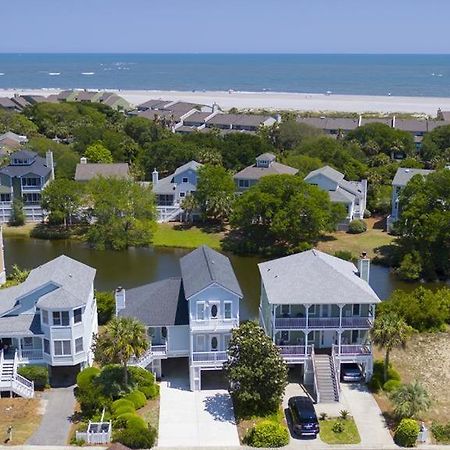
point(176, 235)
point(349, 435)
point(357, 243)
point(150, 412)
point(23, 231)
point(23, 414)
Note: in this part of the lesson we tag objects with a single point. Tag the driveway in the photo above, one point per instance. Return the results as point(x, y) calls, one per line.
point(55, 425)
point(193, 419)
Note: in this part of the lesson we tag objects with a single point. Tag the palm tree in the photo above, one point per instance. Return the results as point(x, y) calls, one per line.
point(189, 205)
point(123, 338)
point(390, 331)
point(410, 400)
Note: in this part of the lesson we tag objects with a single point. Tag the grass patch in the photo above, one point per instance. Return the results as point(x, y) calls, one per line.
point(23, 414)
point(150, 412)
point(22, 231)
point(348, 435)
point(368, 241)
point(176, 235)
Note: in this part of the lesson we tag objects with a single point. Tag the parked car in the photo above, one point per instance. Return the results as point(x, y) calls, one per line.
point(351, 372)
point(304, 418)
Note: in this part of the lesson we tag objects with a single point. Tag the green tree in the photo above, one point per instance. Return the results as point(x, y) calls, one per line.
point(17, 123)
point(390, 331)
point(436, 145)
point(410, 400)
point(63, 199)
point(290, 133)
point(124, 213)
point(255, 370)
point(17, 217)
point(215, 192)
point(123, 338)
point(189, 205)
point(105, 306)
point(282, 213)
point(97, 153)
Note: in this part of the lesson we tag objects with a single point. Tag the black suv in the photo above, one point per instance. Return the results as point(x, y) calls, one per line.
point(304, 419)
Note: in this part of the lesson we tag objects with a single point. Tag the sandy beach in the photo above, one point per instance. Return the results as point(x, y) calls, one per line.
point(282, 101)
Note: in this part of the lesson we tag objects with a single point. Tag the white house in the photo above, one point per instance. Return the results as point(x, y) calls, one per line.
point(171, 190)
point(319, 310)
point(352, 194)
point(191, 316)
point(49, 319)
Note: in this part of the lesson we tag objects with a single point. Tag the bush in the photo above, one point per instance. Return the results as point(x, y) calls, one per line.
point(375, 384)
point(344, 254)
point(441, 432)
point(137, 398)
point(410, 267)
point(136, 422)
point(367, 214)
point(150, 391)
point(393, 374)
point(344, 414)
point(357, 226)
point(144, 381)
point(338, 427)
point(37, 374)
point(124, 410)
point(86, 376)
point(136, 438)
point(406, 433)
point(267, 434)
point(391, 385)
point(17, 217)
point(120, 404)
point(105, 306)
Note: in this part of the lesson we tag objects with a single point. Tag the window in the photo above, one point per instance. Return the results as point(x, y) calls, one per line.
point(312, 310)
point(285, 310)
point(32, 197)
point(62, 348)
point(356, 310)
point(185, 179)
point(182, 194)
point(5, 197)
point(214, 311)
point(244, 183)
point(284, 337)
point(200, 311)
point(227, 338)
point(77, 315)
point(61, 318)
point(355, 336)
point(47, 346)
point(31, 182)
point(45, 317)
point(27, 342)
point(78, 345)
point(227, 310)
point(164, 332)
point(214, 344)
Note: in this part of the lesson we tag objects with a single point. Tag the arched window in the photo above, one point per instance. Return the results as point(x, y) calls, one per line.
point(214, 343)
point(214, 311)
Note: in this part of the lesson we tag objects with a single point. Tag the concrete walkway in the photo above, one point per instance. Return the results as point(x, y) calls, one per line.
point(54, 429)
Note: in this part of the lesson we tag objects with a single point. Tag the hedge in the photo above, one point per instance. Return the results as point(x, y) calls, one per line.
point(37, 374)
point(136, 437)
point(357, 226)
point(137, 398)
point(406, 433)
point(121, 403)
point(267, 434)
point(85, 377)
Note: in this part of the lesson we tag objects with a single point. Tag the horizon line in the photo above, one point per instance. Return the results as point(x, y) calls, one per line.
point(224, 53)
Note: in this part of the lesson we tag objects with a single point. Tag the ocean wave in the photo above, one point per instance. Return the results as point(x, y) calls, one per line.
point(87, 73)
point(54, 73)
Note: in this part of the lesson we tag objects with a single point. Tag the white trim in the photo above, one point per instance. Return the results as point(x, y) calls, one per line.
point(225, 303)
point(214, 284)
point(197, 304)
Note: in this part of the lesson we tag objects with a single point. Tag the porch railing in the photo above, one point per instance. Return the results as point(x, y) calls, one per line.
point(209, 357)
point(353, 350)
point(295, 350)
point(287, 323)
point(31, 354)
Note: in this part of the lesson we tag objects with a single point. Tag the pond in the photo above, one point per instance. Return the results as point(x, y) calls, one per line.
point(137, 266)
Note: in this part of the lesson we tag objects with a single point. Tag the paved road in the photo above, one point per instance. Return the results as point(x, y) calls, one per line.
point(55, 425)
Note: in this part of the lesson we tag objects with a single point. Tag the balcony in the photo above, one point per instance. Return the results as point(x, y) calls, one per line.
point(291, 323)
point(353, 350)
point(293, 353)
point(31, 354)
point(209, 358)
point(214, 324)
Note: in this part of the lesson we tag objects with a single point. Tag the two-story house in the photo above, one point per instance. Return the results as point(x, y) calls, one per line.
point(265, 164)
point(401, 179)
point(319, 310)
point(49, 319)
point(25, 177)
point(351, 194)
point(191, 316)
point(171, 190)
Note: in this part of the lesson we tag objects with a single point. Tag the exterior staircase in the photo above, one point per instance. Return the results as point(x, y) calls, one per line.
point(11, 381)
point(168, 213)
point(327, 382)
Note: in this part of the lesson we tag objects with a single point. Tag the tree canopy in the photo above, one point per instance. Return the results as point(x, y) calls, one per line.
point(97, 153)
point(436, 146)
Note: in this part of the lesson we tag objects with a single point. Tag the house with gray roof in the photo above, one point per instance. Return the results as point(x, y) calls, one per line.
point(171, 190)
point(10, 141)
point(351, 194)
point(401, 179)
point(319, 310)
point(50, 319)
point(87, 171)
point(240, 122)
point(265, 164)
point(189, 316)
point(25, 177)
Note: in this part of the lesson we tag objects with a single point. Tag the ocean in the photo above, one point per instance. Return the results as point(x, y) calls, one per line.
point(396, 75)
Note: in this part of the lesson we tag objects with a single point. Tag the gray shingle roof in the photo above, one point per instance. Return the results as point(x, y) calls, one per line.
point(313, 277)
point(7, 103)
point(411, 125)
point(154, 104)
point(194, 165)
point(403, 175)
point(252, 120)
point(25, 325)
point(328, 172)
point(85, 172)
point(38, 166)
point(341, 196)
point(161, 303)
point(14, 136)
point(255, 173)
point(203, 267)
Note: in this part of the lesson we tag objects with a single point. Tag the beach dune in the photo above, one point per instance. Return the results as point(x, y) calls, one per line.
point(279, 101)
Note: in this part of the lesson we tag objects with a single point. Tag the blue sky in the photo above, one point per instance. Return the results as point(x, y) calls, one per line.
point(232, 26)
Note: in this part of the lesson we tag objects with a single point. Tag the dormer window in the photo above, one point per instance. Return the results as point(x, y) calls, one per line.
point(185, 179)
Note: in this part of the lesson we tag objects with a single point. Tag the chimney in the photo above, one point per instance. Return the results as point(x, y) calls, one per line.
point(155, 177)
point(49, 163)
point(364, 267)
point(2, 259)
point(120, 299)
point(83, 160)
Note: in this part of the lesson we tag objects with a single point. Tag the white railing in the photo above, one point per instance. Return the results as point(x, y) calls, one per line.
point(295, 352)
point(209, 357)
point(336, 373)
point(316, 383)
point(214, 324)
point(353, 350)
point(16, 383)
point(286, 323)
point(168, 213)
point(96, 433)
point(31, 354)
point(154, 351)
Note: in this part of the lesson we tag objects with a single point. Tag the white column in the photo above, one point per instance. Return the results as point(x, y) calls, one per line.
point(274, 308)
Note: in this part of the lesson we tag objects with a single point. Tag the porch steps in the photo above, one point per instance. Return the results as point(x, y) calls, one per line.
point(7, 370)
point(11, 381)
point(326, 381)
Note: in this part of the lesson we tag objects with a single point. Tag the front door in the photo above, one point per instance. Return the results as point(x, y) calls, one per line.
point(327, 338)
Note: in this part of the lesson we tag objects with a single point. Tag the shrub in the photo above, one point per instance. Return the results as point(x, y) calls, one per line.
point(410, 267)
point(344, 414)
point(37, 374)
point(105, 306)
point(393, 374)
point(441, 432)
point(338, 427)
point(125, 409)
point(86, 376)
point(136, 422)
point(323, 416)
point(137, 398)
point(367, 214)
point(150, 391)
point(267, 434)
point(357, 226)
point(406, 433)
point(375, 384)
point(136, 438)
point(121, 403)
point(344, 254)
point(391, 385)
